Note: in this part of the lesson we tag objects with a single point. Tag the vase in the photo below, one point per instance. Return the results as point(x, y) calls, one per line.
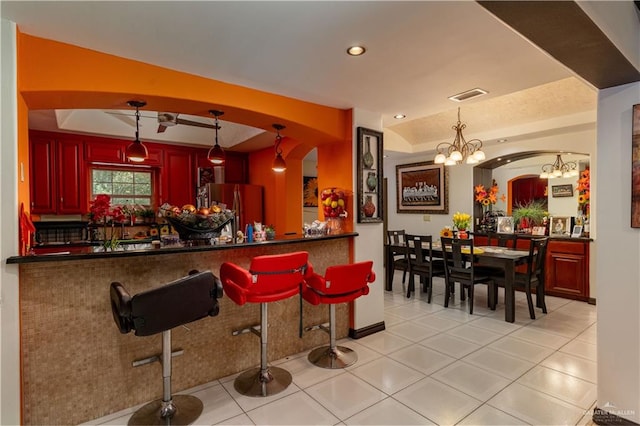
point(462, 234)
point(368, 208)
point(372, 181)
point(367, 158)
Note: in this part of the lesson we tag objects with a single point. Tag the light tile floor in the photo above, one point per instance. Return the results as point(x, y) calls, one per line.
point(434, 366)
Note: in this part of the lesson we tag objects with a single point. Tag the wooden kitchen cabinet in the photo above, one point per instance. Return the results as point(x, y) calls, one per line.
point(106, 151)
point(236, 165)
point(177, 177)
point(58, 182)
point(567, 269)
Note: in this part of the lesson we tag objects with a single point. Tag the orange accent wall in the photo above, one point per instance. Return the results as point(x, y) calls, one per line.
point(53, 75)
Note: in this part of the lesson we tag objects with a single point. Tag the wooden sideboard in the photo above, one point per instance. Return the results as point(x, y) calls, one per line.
point(566, 267)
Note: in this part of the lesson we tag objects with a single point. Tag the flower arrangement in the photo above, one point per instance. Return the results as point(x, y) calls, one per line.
point(446, 232)
point(461, 221)
point(488, 197)
point(584, 191)
point(100, 212)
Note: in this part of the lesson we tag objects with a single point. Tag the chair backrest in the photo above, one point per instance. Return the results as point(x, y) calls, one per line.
point(396, 237)
point(420, 248)
point(278, 272)
point(344, 279)
point(537, 257)
point(455, 258)
point(502, 240)
point(159, 309)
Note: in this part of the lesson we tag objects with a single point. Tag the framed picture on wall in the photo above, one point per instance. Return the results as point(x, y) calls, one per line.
point(369, 197)
point(562, 190)
point(310, 191)
point(560, 226)
point(635, 168)
point(422, 188)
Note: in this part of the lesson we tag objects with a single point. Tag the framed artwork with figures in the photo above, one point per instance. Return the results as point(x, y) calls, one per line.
point(422, 188)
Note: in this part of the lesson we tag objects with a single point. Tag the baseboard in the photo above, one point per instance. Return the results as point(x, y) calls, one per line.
point(591, 301)
point(601, 417)
point(366, 331)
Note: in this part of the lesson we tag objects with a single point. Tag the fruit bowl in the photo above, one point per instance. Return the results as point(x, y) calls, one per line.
point(194, 226)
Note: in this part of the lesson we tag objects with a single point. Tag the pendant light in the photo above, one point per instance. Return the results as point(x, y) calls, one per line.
point(136, 151)
point(278, 163)
point(216, 154)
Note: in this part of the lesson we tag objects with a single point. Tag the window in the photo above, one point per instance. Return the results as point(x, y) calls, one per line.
point(125, 186)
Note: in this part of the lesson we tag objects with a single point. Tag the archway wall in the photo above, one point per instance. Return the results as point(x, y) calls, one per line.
point(53, 75)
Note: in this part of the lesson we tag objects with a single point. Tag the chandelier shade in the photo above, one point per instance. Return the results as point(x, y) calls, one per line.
point(460, 150)
point(216, 154)
point(279, 165)
point(559, 169)
point(136, 151)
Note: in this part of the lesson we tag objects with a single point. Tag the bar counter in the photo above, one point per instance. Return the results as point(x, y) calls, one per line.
point(76, 366)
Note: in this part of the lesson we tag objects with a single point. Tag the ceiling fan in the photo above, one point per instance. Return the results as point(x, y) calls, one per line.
point(170, 119)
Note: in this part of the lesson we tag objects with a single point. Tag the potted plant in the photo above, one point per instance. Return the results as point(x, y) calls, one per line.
point(530, 214)
point(270, 231)
point(147, 215)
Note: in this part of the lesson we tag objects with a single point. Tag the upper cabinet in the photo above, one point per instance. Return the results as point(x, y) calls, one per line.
point(60, 165)
point(58, 179)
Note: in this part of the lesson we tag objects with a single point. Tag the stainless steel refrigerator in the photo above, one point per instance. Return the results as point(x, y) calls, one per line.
point(245, 199)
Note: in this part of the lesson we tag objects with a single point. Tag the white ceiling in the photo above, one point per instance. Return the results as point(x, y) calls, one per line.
point(418, 54)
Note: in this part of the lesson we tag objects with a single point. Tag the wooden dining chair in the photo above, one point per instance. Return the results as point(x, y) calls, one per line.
point(397, 261)
point(422, 263)
point(533, 278)
point(502, 240)
point(460, 268)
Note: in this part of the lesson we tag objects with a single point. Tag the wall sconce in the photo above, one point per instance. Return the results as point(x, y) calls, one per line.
point(136, 151)
point(216, 154)
point(279, 164)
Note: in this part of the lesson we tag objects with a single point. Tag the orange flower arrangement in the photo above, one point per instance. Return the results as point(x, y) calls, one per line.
point(485, 197)
point(584, 191)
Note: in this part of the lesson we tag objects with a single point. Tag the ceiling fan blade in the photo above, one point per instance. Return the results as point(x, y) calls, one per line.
point(195, 123)
point(161, 128)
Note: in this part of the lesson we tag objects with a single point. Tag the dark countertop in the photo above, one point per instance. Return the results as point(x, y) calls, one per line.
point(67, 252)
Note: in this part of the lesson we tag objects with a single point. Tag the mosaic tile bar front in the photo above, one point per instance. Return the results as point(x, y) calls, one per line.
point(76, 366)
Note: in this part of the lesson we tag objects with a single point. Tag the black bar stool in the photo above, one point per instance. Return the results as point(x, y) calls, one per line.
point(158, 311)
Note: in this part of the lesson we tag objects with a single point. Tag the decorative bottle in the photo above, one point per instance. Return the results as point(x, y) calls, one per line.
point(368, 208)
point(367, 158)
point(372, 181)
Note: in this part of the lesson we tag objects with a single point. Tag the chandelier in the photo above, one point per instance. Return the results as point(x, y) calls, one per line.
point(559, 169)
point(460, 150)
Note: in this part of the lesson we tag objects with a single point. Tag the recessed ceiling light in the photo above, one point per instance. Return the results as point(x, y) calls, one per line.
point(501, 140)
point(356, 50)
point(399, 116)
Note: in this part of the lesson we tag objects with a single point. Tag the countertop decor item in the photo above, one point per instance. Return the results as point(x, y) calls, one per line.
point(370, 198)
point(191, 225)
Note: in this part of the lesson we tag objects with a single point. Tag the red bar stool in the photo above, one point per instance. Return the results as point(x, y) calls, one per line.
point(158, 311)
point(269, 279)
point(340, 284)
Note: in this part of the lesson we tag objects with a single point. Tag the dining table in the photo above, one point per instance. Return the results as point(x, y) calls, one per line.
point(505, 258)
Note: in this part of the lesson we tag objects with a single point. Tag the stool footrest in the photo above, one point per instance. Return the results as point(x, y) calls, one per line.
point(152, 359)
point(255, 329)
point(323, 327)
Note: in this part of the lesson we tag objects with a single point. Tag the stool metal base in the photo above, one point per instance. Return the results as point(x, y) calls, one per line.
point(325, 357)
point(187, 410)
point(253, 383)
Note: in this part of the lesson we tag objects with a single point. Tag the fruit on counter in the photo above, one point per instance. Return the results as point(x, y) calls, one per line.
point(333, 202)
point(203, 210)
point(189, 208)
point(216, 208)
